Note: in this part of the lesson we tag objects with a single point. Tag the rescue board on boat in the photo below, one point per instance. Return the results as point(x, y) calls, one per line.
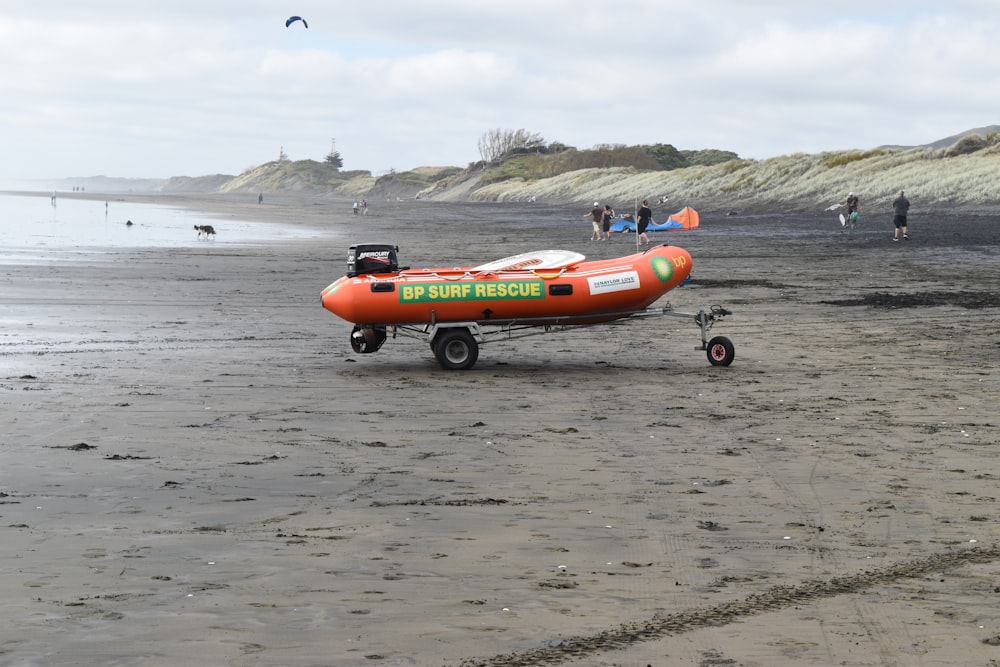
point(540, 259)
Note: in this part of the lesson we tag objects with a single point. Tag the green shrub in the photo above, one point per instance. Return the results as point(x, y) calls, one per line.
point(708, 157)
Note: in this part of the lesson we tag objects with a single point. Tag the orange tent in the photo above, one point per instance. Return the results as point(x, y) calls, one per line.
point(687, 217)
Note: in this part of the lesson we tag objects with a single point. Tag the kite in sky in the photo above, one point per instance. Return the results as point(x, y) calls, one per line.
point(293, 19)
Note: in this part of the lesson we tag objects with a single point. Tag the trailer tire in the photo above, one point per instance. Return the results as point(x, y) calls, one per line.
point(720, 351)
point(456, 349)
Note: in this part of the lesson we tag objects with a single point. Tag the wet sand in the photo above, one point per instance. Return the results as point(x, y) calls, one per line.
point(195, 468)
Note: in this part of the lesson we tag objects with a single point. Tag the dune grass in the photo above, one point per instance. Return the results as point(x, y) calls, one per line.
point(962, 174)
point(807, 182)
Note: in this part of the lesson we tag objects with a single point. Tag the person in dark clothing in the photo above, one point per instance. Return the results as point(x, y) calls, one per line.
point(900, 209)
point(606, 218)
point(643, 218)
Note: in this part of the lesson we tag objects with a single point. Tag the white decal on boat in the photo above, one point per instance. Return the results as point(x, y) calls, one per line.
point(615, 282)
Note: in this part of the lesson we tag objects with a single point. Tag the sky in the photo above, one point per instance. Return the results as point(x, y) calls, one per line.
point(183, 88)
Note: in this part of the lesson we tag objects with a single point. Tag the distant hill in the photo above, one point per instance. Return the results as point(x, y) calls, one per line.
point(410, 184)
point(956, 171)
point(949, 141)
point(932, 179)
point(197, 184)
point(960, 174)
point(307, 176)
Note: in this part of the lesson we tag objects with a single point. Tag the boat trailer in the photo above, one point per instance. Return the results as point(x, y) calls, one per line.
point(456, 344)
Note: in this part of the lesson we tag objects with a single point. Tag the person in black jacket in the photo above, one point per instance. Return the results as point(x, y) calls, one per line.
point(643, 218)
point(900, 209)
point(606, 218)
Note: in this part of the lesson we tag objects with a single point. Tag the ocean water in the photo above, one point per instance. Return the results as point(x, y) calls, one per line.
point(33, 228)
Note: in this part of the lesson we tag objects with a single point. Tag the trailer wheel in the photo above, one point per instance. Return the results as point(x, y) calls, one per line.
point(720, 351)
point(456, 349)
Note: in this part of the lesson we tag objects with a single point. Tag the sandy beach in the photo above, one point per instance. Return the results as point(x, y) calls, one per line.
point(196, 469)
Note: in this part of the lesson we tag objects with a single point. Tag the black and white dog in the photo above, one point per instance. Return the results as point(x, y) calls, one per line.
point(205, 230)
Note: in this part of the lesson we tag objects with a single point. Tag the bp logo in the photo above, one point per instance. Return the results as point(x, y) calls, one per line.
point(663, 268)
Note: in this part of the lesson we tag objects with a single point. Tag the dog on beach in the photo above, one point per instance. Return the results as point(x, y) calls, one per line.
point(205, 230)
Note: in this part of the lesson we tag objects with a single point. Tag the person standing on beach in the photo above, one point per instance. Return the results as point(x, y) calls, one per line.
point(853, 205)
point(606, 217)
point(355, 207)
point(900, 209)
point(595, 214)
point(643, 218)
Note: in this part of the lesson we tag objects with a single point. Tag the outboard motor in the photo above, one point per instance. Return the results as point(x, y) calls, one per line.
point(366, 258)
point(367, 339)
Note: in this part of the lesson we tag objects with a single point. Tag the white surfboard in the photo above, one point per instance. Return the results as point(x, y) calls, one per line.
point(843, 220)
point(538, 259)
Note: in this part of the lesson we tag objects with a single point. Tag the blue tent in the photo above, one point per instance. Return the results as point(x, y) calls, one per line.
point(628, 225)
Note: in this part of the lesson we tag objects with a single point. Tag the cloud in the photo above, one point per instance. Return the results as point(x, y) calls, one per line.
point(192, 88)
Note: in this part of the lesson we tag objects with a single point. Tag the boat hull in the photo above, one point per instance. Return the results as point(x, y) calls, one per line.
point(585, 292)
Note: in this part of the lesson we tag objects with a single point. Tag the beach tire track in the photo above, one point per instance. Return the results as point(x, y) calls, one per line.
point(810, 510)
point(773, 599)
point(885, 631)
point(810, 504)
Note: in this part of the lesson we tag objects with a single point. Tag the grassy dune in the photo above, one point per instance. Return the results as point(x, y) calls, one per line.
point(932, 179)
point(963, 175)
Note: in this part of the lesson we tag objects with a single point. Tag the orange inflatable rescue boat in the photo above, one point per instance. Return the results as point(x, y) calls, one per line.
point(456, 308)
